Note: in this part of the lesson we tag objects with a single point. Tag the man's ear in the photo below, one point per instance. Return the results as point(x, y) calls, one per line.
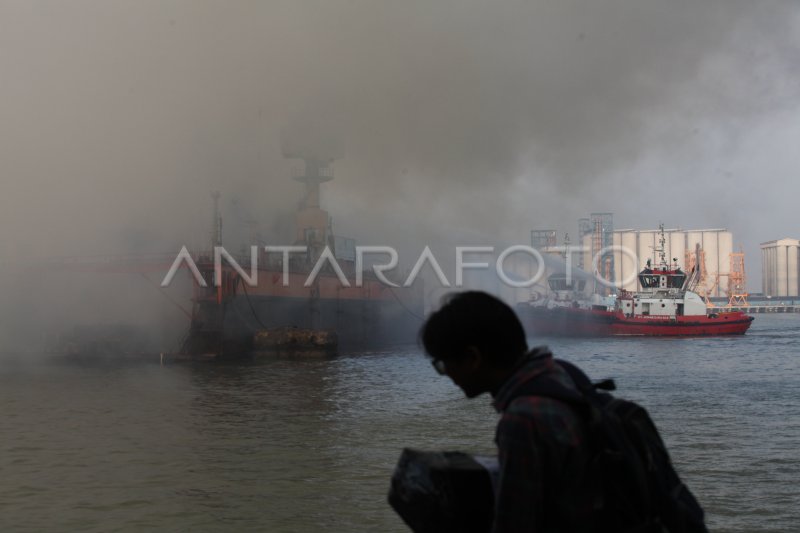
point(474, 357)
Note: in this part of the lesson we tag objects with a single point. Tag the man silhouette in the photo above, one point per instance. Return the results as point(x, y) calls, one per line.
point(478, 342)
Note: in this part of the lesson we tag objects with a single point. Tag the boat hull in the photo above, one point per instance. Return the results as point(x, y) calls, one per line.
point(579, 322)
point(358, 323)
point(362, 313)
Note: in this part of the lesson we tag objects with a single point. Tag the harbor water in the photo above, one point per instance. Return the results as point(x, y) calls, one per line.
point(306, 446)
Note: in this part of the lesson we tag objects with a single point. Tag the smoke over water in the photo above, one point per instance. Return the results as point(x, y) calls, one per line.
point(463, 122)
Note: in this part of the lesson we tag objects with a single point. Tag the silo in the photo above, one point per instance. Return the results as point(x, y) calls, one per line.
point(780, 263)
point(677, 247)
point(710, 245)
point(725, 251)
point(693, 238)
point(791, 268)
point(625, 262)
point(648, 240)
point(618, 255)
point(769, 255)
point(630, 263)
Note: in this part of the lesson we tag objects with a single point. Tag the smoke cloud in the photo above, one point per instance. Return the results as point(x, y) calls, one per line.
point(460, 120)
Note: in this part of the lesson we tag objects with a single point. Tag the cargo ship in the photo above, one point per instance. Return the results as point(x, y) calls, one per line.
point(665, 305)
point(357, 309)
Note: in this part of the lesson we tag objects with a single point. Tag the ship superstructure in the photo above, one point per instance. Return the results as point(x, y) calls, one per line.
point(361, 310)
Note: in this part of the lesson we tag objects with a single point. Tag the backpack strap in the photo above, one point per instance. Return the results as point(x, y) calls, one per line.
point(582, 395)
point(544, 385)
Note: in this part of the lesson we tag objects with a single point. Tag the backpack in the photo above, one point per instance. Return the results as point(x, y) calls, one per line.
point(637, 488)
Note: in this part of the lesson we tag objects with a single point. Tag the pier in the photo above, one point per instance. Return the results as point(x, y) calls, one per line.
point(759, 305)
point(753, 309)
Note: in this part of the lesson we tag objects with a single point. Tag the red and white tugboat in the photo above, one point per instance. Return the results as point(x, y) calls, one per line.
point(665, 306)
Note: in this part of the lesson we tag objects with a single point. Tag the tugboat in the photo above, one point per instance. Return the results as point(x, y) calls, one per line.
point(666, 305)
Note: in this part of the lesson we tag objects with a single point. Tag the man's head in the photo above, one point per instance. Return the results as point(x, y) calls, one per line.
point(475, 339)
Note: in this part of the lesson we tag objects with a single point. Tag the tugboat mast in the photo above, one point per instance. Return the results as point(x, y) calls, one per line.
point(662, 256)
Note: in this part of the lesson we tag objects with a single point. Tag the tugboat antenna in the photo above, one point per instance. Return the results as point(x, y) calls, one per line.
point(661, 250)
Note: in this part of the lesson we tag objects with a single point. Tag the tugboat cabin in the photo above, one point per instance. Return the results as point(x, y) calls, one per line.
point(663, 295)
point(662, 279)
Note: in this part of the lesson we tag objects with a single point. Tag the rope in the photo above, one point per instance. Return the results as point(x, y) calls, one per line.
point(245, 320)
point(167, 296)
point(252, 309)
point(404, 306)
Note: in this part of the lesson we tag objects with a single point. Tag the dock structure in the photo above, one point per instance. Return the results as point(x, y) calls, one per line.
point(757, 305)
point(752, 309)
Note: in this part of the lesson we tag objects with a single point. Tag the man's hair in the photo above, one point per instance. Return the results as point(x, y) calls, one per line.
point(474, 318)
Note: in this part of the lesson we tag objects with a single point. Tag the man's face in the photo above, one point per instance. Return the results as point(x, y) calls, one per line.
point(465, 370)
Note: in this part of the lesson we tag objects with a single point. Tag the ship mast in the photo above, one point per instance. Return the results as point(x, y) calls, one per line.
point(317, 151)
point(313, 223)
point(662, 256)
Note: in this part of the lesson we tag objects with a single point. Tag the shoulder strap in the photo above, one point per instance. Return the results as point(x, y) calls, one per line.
point(543, 385)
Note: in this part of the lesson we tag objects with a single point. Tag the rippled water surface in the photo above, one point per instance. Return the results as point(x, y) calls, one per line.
point(304, 446)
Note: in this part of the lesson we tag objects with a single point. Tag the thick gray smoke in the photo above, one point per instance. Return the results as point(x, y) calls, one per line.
point(461, 120)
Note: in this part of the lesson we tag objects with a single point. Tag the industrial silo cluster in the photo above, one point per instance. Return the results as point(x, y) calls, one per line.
point(632, 248)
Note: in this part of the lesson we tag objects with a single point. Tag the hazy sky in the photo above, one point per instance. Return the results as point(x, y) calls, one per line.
point(461, 120)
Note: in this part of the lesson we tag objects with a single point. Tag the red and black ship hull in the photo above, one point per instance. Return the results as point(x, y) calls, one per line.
point(579, 322)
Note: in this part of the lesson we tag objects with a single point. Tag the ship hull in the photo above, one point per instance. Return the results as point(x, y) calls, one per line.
point(357, 323)
point(579, 322)
point(362, 313)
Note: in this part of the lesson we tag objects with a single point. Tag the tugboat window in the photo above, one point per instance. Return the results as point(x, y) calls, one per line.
point(675, 281)
point(648, 281)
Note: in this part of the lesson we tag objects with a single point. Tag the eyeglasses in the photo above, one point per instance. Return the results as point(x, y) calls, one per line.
point(439, 365)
